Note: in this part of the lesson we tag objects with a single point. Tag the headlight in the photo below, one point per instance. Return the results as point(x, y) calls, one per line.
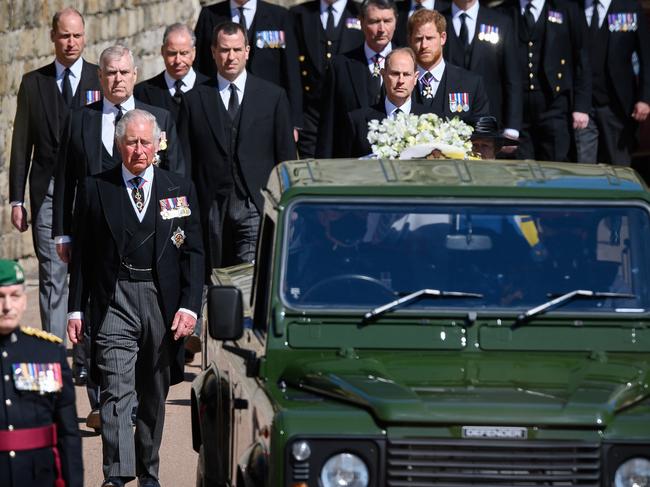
point(635, 472)
point(301, 451)
point(344, 470)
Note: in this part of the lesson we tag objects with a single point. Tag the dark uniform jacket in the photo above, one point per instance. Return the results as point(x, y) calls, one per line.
point(624, 87)
point(82, 154)
point(100, 244)
point(348, 86)
point(565, 59)
point(400, 39)
point(311, 43)
point(496, 63)
point(455, 82)
point(356, 143)
point(40, 119)
point(154, 92)
point(20, 408)
point(273, 62)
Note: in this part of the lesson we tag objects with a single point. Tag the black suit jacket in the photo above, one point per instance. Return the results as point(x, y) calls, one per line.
point(154, 92)
point(277, 65)
point(310, 49)
point(496, 63)
point(457, 80)
point(265, 138)
point(347, 87)
point(38, 127)
point(100, 242)
point(81, 155)
point(620, 46)
point(400, 39)
point(356, 143)
point(565, 58)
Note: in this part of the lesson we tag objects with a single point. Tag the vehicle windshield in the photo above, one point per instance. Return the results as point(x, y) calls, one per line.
point(356, 255)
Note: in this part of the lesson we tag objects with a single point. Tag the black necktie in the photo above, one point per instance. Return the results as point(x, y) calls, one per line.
point(595, 20)
point(118, 115)
point(396, 112)
point(464, 39)
point(418, 6)
point(529, 18)
point(136, 192)
point(375, 79)
point(233, 103)
point(66, 88)
point(329, 29)
point(242, 18)
point(178, 92)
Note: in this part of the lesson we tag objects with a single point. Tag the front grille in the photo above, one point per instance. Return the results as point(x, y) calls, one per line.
point(492, 463)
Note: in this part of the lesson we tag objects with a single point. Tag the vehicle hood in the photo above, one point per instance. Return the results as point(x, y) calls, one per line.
point(554, 390)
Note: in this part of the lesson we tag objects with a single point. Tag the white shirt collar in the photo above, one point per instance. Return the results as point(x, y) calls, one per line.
point(436, 71)
point(147, 174)
point(249, 6)
point(338, 6)
point(390, 108)
point(239, 82)
point(471, 12)
point(537, 6)
point(128, 104)
point(188, 80)
point(75, 69)
point(370, 53)
point(428, 4)
point(604, 5)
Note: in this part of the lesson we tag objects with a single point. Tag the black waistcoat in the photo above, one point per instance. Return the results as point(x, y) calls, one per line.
point(139, 251)
point(330, 46)
point(457, 53)
point(231, 129)
point(598, 52)
point(530, 50)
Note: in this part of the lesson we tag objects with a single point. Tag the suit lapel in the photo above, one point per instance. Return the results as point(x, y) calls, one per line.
point(87, 82)
point(478, 47)
point(311, 27)
point(361, 92)
point(439, 101)
point(110, 194)
point(248, 110)
point(163, 188)
point(209, 99)
point(49, 93)
point(92, 137)
point(549, 33)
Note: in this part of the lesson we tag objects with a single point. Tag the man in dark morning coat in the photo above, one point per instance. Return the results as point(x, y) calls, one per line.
point(445, 89)
point(137, 267)
point(551, 45)
point(400, 78)
point(620, 100)
point(271, 37)
point(165, 90)
point(353, 80)
point(406, 8)
point(324, 28)
point(237, 128)
point(486, 46)
point(41, 113)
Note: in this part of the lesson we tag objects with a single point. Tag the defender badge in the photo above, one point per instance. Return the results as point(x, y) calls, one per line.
point(178, 238)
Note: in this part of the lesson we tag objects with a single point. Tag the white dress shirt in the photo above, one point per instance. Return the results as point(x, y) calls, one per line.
point(109, 112)
point(337, 11)
point(603, 7)
point(470, 20)
point(188, 82)
point(75, 74)
point(536, 7)
point(390, 108)
point(224, 87)
point(437, 72)
point(250, 7)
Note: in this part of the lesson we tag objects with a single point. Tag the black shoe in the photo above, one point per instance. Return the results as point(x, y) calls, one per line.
point(147, 481)
point(80, 375)
point(113, 482)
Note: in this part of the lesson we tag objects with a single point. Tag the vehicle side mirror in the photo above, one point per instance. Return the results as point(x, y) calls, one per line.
point(225, 313)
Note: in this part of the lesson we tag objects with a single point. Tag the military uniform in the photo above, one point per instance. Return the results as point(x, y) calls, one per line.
point(39, 435)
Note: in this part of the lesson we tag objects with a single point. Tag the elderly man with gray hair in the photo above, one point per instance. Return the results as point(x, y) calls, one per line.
point(165, 90)
point(88, 148)
point(136, 278)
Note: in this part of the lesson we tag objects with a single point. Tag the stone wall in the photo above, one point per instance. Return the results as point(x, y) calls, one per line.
point(25, 45)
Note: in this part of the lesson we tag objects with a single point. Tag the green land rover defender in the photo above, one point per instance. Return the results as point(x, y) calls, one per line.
point(433, 323)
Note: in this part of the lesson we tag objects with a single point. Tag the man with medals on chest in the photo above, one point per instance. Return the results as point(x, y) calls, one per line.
point(40, 444)
point(137, 267)
point(445, 89)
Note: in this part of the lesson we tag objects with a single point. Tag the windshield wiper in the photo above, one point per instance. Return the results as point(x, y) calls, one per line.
point(429, 293)
point(565, 298)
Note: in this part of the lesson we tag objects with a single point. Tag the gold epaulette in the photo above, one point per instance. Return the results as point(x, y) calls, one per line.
point(28, 330)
